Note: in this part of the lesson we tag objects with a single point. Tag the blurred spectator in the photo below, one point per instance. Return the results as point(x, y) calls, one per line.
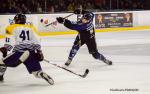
point(62, 6)
point(71, 6)
point(24, 9)
point(98, 3)
point(41, 6)
point(89, 5)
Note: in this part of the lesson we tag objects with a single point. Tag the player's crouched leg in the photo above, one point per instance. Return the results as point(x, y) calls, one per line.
point(33, 66)
point(99, 56)
point(73, 52)
point(41, 74)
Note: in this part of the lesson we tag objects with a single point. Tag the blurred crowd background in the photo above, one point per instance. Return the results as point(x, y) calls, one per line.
point(53, 6)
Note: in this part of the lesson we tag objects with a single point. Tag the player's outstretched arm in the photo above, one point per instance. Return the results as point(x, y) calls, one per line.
point(71, 24)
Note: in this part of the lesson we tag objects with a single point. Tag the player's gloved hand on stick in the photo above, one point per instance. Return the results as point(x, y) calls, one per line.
point(40, 55)
point(60, 19)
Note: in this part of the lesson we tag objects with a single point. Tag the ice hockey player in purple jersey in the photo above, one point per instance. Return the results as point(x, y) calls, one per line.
point(86, 35)
point(27, 49)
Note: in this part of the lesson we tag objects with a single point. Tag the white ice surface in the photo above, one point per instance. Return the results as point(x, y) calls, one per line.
point(129, 51)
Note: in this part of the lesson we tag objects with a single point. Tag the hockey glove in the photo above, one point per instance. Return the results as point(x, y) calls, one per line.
point(60, 19)
point(4, 51)
point(40, 55)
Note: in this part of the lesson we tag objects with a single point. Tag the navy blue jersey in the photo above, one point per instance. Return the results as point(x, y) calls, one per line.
point(85, 30)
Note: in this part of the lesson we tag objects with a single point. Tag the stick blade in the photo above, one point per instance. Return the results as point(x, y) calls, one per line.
point(85, 73)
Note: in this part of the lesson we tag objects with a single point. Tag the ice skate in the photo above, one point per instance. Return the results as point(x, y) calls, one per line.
point(107, 62)
point(68, 62)
point(47, 78)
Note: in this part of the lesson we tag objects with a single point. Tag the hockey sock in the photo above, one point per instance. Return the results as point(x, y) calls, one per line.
point(1, 62)
point(99, 56)
point(73, 51)
point(2, 70)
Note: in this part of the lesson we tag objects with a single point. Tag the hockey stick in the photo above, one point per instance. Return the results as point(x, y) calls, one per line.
point(83, 76)
point(56, 21)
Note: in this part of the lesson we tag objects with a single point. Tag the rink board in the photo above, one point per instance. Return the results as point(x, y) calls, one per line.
point(97, 30)
point(139, 20)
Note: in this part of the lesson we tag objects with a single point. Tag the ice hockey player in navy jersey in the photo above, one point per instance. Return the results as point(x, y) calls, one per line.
point(86, 35)
point(27, 49)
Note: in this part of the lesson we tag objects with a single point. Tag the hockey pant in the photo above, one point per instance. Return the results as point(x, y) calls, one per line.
point(31, 62)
